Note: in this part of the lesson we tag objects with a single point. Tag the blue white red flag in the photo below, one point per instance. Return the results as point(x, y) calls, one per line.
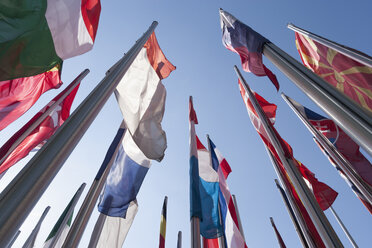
point(204, 187)
point(241, 39)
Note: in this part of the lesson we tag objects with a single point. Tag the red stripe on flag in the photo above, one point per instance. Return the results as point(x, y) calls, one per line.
point(90, 10)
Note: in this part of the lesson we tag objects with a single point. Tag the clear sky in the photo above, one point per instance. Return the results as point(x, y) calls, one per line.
point(190, 36)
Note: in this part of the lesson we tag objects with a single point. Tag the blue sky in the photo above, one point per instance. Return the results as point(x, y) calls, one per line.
point(190, 36)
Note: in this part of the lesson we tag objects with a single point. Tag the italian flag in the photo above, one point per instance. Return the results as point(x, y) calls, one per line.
point(35, 37)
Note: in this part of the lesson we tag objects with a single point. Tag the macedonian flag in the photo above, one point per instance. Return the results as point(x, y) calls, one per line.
point(349, 76)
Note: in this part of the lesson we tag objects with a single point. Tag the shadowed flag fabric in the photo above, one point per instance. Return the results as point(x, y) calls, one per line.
point(163, 224)
point(141, 98)
point(241, 39)
point(204, 188)
point(35, 39)
point(41, 133)
point(350, 77)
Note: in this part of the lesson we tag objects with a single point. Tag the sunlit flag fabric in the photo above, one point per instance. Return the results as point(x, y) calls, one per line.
point(348, 148)
point(35, 39)
point(204, 188)
point(141, 97)
point(232, 234)
point(163, 224)
point(350, 77)
point(41, 133)
point(118, 204)
point(241, 39)
point(270, 111)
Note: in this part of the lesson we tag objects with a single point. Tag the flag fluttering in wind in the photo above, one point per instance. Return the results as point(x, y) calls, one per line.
point(350, 77)
point(35, 39)
point(204, 187)
point(163, 224)
point(241, 39)
point(278, 236)
point(233, 236)
point(42, 132)
point(141, 97)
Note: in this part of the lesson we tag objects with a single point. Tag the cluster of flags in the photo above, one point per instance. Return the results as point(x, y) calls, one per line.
point(58, 30)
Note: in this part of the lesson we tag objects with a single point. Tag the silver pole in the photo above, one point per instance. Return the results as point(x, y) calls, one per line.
point(351, 53)
point(221, 239)
point(14, 239)
point(20, 196)
point(347, 115)
point(343, 227)
point(37, 122)
point(238, 216)
point(179, 240)
point(325, 229)
point(30, 242)
point(81, 220)
point(291, 212)
point(333, 152)
point(70, 211)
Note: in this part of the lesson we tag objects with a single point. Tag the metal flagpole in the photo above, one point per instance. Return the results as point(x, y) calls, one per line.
point(68, 215)
point(350, 117)
point(238, 216)
point(333, 152)
point(291, 213)
point(325, 229)
point(179, 240)
point(37, 122)
point(30, 242)
point(14, 239)
point(221, 239)
point(81, 220)
point(351, 53)
point(343, 227)
point(21, 195)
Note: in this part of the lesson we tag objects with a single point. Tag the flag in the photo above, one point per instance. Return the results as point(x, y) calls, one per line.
point(118, 205)
point(344, 144)
point(278, 236)
point(41, 133)
point(241, 39)
point(141, 98)
point(270, 111)
point(35, 39)
point(63, 223)
point(232, 234)
point(350, 77)
point(204, 188)
point(163, 224)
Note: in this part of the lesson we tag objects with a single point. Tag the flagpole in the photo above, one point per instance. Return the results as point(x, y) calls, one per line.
point(343, 227)
point(350, 117)
point(179, 240)
point(37, 122)
point(68, 215)
point(31, 239)
point(14, 239)
point(195, 225)
point(333, 152)
point(81, 220)
point(325, 229)
point(221, 239)
point(238, 216)
point(276, 234)
point(21, 195)
point(291, 213)
point(351, 53)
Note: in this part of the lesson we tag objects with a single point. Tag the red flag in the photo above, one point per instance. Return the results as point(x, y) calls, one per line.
point(40, 134)
point(350, 77)
point(278, 236)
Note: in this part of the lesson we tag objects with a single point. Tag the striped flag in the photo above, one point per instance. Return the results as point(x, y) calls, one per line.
point(141, 98)
point(350, 77)
point(36, 38)
point(163, 223)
